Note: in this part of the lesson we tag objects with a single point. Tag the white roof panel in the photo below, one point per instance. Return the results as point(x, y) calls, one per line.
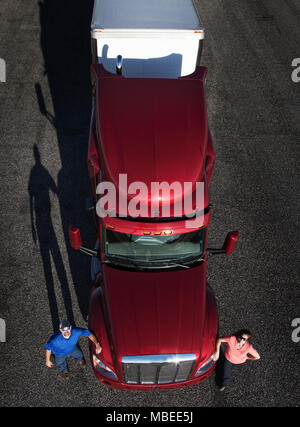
point(146, 14)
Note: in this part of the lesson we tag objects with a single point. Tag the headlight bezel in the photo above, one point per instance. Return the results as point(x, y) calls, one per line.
point(204, 367)
point(104, 369)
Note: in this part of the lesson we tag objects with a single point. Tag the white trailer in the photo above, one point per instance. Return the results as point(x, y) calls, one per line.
point(156, 38)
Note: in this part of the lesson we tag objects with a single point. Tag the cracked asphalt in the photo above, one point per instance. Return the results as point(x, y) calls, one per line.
point(254, 112)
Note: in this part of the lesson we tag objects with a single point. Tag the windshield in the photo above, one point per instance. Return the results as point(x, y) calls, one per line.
point(154, 251)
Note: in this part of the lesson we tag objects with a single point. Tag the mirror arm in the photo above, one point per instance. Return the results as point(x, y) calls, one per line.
point(88, 251)
point(216, 251)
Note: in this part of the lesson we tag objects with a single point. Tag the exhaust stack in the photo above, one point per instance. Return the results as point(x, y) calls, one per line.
point(119, 64)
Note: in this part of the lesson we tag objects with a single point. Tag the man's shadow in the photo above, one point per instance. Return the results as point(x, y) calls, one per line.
point(39, 187)
point(65, 45)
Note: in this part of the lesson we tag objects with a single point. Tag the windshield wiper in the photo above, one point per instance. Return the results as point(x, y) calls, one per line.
point(172, 265)
point(129, 264)
point(175, 264)
point(183, 265)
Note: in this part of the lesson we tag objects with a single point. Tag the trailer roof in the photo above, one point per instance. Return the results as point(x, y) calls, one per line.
point(145, 14)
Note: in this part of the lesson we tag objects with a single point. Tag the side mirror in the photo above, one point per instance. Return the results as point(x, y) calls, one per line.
point(76, 241)
point(75, 237)
point(230, 242)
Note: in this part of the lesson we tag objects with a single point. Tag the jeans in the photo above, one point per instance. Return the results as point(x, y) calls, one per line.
point(223, 370)
point(62, 360)
point(227, 369)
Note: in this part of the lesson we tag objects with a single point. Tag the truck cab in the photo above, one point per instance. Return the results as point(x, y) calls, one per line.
point(151, 307)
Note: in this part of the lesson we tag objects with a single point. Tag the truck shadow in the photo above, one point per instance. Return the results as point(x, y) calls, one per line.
point(65, 44)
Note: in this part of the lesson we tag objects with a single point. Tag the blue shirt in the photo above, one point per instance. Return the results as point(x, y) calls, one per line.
point(62, 346)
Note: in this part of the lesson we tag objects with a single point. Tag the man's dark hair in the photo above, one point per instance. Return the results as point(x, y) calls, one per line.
point(64, 324)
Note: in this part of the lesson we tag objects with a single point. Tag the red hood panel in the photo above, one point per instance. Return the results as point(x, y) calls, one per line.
point(156, 313)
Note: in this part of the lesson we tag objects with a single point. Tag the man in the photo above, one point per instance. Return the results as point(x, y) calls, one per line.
point(64, 344)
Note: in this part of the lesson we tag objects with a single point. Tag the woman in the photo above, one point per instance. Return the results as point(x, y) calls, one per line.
point(238, 350)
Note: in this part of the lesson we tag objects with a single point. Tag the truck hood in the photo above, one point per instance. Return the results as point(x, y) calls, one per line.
point(155, 313)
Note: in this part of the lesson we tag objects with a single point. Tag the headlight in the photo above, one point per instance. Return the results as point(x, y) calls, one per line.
point(103, 369)
point(205, 366)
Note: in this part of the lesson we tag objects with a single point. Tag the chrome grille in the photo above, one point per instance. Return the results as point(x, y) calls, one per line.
point(158, 368)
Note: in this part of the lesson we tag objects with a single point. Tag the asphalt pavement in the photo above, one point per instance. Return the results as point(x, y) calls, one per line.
point(254, 112)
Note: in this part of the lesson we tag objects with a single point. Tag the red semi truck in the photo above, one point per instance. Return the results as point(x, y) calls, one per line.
point(150, 307)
